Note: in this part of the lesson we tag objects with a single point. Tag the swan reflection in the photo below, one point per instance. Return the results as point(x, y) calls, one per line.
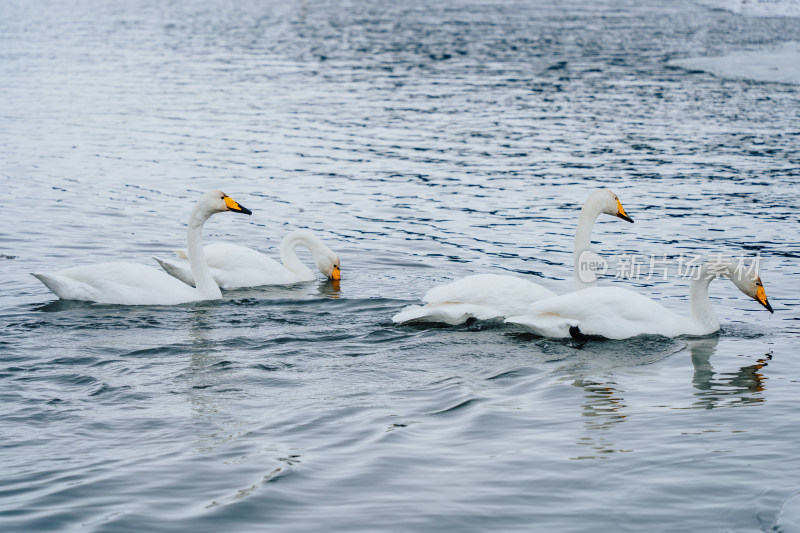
point(330, 288)
point(604, 406)
point(603, 409)
point(201, 373)
point(724, 389)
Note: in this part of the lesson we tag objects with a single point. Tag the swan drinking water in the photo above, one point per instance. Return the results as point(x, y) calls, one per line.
point(233, 266)
point(619, 313)
point(488, 296)
point(135, 284)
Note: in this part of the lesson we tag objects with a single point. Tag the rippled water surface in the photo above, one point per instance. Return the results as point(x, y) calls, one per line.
point(422, 141)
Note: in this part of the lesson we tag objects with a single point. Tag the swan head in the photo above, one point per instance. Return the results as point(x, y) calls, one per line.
point(750, 284)
point(217, 201)
point(329, 265)
point(609, 203)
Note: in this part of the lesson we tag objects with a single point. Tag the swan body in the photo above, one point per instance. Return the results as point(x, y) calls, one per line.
point(118, 283)
point(233, 266)
point(134, 284)
point(489, 296)
point(620, 313)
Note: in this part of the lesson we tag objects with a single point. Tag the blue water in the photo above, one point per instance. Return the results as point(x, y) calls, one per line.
point(422, 142)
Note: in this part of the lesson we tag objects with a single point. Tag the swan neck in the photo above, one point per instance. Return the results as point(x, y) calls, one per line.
point(197, 256)
point(288, 252)
point(583, 237)
point(703, 313)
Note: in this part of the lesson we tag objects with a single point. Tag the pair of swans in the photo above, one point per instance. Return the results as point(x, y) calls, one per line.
point(201, 273)
point(493, 296)
point(609, 312)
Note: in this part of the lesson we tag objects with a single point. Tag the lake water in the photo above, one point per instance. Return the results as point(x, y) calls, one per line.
point(422, 141)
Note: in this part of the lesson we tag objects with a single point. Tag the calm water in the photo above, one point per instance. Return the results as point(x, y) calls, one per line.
point(422, 141)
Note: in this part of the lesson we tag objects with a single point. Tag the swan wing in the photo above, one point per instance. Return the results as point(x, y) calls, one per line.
point(502, 292)
point(233, 266)
point(481, 296)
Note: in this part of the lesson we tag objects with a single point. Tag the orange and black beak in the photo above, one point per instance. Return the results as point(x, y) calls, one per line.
point(761, 297)
point(621, 212)
point(336, 275)
point(234, 206)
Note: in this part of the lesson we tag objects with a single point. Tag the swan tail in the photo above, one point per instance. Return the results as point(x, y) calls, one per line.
point(409, 314)
point(546, 325)
point(452, 314)
point(67, 288)
point(176, 270)
point(436, 314)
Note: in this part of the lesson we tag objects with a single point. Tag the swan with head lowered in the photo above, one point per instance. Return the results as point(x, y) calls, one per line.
point(620, 313)
point(135, 284)
point(491, 296)
point(233, 266)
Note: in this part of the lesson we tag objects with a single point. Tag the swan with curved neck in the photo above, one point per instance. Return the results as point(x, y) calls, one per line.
point(601, 201)
point(491, 296)
point(135, 284)
point(619, 313)
point(233, 266)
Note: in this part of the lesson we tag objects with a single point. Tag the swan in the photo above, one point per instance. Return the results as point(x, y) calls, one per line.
point(488, 296)
point(619, 313)
point(233, 266)
point(135, 284)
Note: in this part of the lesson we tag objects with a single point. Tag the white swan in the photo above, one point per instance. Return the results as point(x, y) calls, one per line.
point(135, 284)
point(488, 296)
point(234, 266)
point(619, 313)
